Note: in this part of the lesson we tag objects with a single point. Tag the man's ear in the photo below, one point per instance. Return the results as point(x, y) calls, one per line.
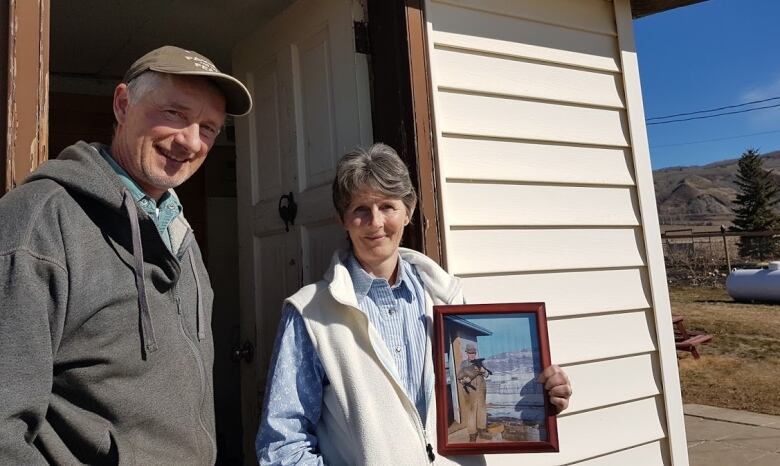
point(121, 103)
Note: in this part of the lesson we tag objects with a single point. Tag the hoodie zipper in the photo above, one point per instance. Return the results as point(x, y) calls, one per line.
point(201, 370)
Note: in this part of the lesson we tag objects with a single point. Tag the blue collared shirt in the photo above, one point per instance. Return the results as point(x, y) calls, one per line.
point(296, 378)
point(169, 207)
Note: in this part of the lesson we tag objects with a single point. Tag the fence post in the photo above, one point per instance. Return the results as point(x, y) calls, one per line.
point(725, 247)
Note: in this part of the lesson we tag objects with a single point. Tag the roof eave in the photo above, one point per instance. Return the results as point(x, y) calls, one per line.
point(641, 8)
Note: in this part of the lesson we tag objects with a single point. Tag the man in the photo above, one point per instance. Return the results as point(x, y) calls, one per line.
point(105, 303)
point(472, 378)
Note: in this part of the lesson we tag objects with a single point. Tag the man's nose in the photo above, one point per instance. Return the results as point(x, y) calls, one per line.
point(189, 138)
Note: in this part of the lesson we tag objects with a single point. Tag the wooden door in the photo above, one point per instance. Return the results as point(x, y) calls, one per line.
point(312, 104)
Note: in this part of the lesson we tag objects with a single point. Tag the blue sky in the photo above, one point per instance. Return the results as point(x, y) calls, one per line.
point(510, 333)
point(713, 54)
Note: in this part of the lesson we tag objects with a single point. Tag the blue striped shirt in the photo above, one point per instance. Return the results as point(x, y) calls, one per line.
point(296, 377)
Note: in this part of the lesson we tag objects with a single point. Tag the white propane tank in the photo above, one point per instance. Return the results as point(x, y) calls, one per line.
point(755, 284)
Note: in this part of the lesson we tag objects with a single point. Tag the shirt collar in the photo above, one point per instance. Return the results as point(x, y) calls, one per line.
point(362, 280)
point(135, 190)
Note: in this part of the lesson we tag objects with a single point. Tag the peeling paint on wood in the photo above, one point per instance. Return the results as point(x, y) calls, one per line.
point(27, 89)
point(43, 83)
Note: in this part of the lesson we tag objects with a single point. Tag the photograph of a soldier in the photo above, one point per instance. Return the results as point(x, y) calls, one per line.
point(494, 393)
point(472, 375)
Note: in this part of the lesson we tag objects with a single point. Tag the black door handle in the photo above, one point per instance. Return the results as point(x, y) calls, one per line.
point(288, 210)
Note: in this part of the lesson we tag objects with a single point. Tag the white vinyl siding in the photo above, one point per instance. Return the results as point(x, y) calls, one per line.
point(544, 197)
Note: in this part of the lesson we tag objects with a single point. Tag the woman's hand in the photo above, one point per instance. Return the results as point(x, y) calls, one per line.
point(558, 386)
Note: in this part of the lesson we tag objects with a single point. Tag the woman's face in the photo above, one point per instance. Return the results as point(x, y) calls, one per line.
point(375, 224)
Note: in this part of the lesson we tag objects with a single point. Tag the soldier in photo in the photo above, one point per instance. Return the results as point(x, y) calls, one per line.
point(472, 376)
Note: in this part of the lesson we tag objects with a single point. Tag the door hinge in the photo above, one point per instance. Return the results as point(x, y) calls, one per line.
point(362, 42)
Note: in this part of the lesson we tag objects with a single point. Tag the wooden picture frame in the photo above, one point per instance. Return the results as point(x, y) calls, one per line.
point(514, 414)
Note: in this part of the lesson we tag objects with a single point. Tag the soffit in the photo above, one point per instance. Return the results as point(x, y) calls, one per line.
point(640, 8)
point(99, 39)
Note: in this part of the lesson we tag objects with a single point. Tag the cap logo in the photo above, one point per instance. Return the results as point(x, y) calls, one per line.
point(202, 64)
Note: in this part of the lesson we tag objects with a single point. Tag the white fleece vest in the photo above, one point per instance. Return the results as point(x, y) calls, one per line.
point(367, 417)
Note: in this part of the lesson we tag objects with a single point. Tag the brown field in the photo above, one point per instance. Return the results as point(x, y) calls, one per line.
point(740, 367)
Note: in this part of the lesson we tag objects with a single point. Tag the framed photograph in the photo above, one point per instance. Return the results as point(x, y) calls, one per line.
point(488, 358)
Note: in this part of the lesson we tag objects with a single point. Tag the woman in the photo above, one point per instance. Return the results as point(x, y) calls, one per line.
point(351, 378)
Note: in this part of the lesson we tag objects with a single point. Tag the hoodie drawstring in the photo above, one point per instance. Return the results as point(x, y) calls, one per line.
point(148, 339)
point(199, 306)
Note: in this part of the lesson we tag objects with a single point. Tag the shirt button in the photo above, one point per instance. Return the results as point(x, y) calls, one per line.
point(398, 349)
point(391, 311)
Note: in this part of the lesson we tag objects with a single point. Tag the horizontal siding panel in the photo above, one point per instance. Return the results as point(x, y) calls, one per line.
point(591, 15)
point(504, 35)
point(521, 250)
point(650, 454)
point(565, 293)
point(527, 205)
point(478, 115)
point(606, 430)
point(489, 159)
point(613, 381)
point(594, 433)
point(589, 338)
point(516, 77)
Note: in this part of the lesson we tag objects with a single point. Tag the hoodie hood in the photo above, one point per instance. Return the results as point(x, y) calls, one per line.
point(81, 170)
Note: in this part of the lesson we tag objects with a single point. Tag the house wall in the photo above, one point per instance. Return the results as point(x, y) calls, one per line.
point(547, 195)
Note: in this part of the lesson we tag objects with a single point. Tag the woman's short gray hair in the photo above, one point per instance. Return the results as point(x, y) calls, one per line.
point(378, 168)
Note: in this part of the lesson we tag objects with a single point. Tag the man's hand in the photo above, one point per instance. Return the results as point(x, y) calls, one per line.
point(558, 386)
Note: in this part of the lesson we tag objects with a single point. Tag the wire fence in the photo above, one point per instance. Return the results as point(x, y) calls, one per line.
point(700, 257)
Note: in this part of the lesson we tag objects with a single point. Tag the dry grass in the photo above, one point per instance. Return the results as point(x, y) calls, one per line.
point(740, 367)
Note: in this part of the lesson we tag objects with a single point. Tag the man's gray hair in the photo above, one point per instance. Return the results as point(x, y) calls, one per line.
point(378, 168)
point(141, 85)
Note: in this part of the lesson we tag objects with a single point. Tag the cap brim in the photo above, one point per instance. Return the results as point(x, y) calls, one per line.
point(238, 101)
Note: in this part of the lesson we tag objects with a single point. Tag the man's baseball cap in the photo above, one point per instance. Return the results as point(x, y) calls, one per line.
point(470, 348)
point(174, 60)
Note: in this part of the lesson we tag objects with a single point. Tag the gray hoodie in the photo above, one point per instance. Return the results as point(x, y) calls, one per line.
point(105, 335)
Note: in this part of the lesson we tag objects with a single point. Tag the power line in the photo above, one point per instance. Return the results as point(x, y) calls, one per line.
point(714, 140)
point(713, 116)
point(713, 109)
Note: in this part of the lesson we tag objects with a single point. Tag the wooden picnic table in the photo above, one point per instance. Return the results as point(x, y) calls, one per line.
point(687, 341)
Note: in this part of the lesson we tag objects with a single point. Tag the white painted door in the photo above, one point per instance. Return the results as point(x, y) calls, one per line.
point(311, 105)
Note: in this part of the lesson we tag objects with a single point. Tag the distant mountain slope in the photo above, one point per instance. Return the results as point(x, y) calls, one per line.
point(702, 195)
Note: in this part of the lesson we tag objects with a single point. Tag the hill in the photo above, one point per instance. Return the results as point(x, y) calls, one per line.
point(702, 195)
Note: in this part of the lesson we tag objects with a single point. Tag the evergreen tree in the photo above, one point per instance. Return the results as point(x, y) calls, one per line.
point(758, 193)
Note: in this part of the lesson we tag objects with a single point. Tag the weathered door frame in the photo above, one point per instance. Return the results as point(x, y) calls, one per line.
point(402, 112)
point(24, 33)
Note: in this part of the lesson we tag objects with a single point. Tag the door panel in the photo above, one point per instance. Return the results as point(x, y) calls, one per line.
point(316, 105)
point(311, 106)
point(268, 169)
point(318, 243)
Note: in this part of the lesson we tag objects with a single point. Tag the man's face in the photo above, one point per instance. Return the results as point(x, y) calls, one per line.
point(162, 138)
point(471, 356)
